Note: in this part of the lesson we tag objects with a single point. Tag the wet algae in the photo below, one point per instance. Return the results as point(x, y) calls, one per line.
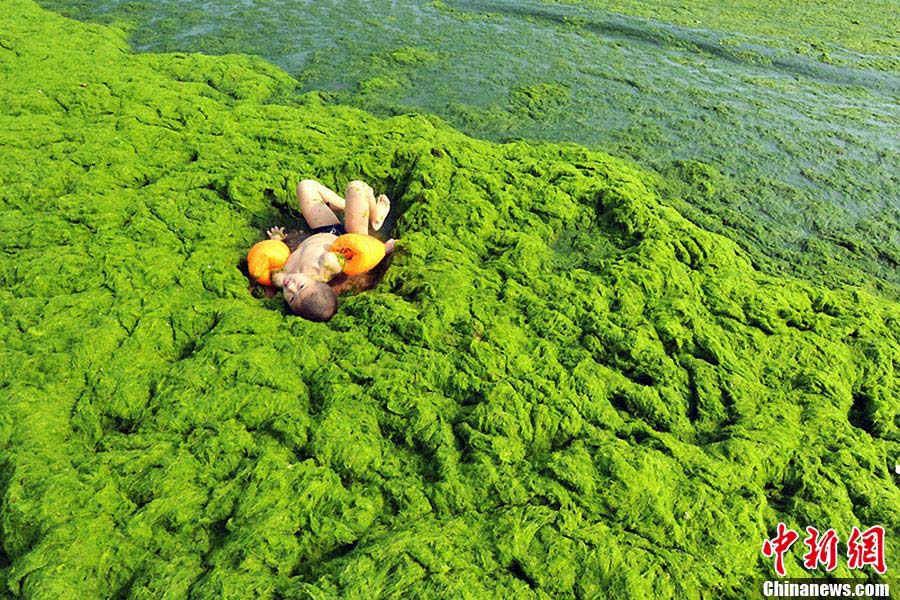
point(562, 387)
point(793, 106)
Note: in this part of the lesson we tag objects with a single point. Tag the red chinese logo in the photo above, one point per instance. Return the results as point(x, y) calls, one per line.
point(822, 550)
point(780, 544)
point(864, 548)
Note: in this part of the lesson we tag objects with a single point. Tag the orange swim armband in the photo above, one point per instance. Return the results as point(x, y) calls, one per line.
point(362, 252)
point(265, 257)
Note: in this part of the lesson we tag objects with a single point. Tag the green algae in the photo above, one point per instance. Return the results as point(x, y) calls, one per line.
point(797, 106)
point(807, 26)
point(537, 101)
point(561, 388)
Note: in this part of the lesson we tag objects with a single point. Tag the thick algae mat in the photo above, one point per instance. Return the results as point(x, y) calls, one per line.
point(561, 388)
point(778, 123)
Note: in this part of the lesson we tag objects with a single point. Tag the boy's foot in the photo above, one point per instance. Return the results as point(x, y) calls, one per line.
point(382, 208)
point(389, 246)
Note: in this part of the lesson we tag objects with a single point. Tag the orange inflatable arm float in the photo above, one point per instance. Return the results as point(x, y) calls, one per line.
point(266, 257)
point(362, 252)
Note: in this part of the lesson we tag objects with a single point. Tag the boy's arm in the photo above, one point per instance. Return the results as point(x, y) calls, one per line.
point(277, 233)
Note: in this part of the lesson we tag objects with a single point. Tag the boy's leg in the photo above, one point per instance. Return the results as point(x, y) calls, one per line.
point(315, 200)
point(363, 208)
point(359, 198)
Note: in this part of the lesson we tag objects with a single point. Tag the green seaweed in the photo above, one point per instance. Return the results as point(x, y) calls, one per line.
point(539, 101)
point(562, 387)
point(796, 104)
point(811, 27)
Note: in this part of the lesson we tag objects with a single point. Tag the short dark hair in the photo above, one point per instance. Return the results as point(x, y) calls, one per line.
point(319, 304)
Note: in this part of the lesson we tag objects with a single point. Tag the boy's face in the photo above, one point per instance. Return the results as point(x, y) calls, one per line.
point(297, 288)
point(309, 297)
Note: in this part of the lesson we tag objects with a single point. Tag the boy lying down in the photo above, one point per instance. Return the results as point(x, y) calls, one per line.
point(320, 257)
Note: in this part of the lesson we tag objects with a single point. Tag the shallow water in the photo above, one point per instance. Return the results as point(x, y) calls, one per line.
point(811, 145)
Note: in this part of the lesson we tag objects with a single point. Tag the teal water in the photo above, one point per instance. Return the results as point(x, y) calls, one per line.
point(809, 150)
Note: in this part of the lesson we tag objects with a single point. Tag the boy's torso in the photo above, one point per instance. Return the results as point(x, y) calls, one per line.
point(307, 258)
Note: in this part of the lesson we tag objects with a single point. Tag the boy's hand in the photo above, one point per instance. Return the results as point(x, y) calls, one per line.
point(332, 264)
point(276, 233)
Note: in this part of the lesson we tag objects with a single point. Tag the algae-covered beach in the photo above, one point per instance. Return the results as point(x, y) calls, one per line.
point(777, 123)
point(578, 379)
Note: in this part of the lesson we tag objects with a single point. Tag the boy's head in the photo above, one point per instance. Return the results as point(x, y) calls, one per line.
point(310, 299)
